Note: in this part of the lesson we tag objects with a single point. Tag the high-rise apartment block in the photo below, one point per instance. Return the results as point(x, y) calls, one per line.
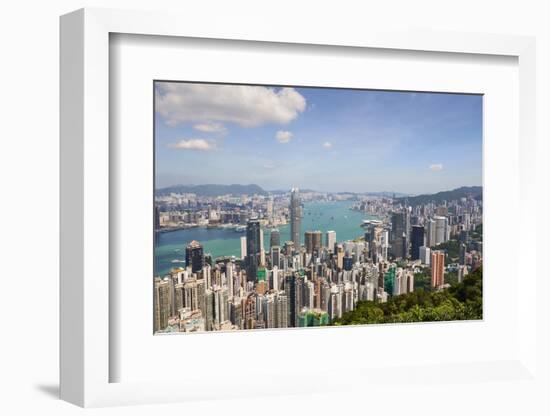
point(438, 268)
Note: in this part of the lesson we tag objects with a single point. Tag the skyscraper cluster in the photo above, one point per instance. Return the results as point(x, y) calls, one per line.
point(313, 279)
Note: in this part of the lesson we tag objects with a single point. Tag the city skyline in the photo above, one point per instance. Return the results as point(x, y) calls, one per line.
point(304, 189)
point(401, 263)
point(406, 142)
point(295, 207)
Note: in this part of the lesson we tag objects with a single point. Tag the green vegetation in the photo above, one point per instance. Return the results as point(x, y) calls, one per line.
point(423, 280)
point(462, 301)
point(477, 234)
point(465, 191)
point(451, 249)
point(451, 278)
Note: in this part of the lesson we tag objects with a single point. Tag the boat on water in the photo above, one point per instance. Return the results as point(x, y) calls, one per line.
point(240, 229)
point(178, 261)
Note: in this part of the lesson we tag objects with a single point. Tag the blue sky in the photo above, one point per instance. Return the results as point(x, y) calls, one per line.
point(317, 138)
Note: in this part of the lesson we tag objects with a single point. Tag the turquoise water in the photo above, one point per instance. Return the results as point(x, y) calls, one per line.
point(322, 216)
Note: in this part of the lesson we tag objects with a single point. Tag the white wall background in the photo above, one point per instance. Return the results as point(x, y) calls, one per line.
point(29, 207)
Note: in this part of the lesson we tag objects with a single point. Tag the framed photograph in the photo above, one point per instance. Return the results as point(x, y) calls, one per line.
point(232, 255)
point(278, 206)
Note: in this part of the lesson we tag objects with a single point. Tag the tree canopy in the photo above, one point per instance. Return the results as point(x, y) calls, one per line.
point(461, 301)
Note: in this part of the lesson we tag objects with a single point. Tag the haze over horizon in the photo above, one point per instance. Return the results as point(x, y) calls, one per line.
point(334, 140)
point(288, 188)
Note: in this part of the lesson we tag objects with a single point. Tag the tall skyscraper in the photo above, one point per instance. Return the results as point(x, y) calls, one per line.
point(441, 225)
point(430, 233)
point(295, 293)
point(295, 217)
point(253, 248)
point(313, 242)
point(417, 240)
point(281, 310)
point(384, 244)
point(243, 247)
point(370, 233)
point(194, 256)
point(400, 232)
point(275, 238)
point(331, 240)
point(347, 263)
point(262, 249)
point(340, 256)
point(162, 303)
point(438, 268)
point(275, 256)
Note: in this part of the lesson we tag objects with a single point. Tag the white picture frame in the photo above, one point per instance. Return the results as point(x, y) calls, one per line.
point(86, 355)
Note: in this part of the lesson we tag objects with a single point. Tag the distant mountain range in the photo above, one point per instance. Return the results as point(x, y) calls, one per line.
point(386, 194)
point(379, 194)
point(475, 192)
point(212, 190)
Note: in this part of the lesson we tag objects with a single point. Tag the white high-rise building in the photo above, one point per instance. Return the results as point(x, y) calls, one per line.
point(221, 311)
point(441, 229)
point(385, 242)
point(261, 239)
point(243, 247)
point(206, 275)
point(430, 233)
point(275, 278)
point(425, 255)
point(358, 252)
point(229, 277)
point(331, 240)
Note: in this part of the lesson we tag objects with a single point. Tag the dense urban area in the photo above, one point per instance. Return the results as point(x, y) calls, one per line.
point(413, 259)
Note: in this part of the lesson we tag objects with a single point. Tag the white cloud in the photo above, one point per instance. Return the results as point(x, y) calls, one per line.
point(194, 144)
point(327, 145)
point(210, 127)
point(283, 136)
point(436, 167)
point(247, 106)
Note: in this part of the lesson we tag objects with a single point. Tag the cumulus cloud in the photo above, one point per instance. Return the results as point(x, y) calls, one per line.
point(246, 106)
point(436, 167)
point(210, 127)
point(327, 145)
point(283, 136)
point(194, 144)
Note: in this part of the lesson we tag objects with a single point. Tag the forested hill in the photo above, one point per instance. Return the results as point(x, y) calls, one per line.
point(462, 301)
point(465, 191)
point(212, 190)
